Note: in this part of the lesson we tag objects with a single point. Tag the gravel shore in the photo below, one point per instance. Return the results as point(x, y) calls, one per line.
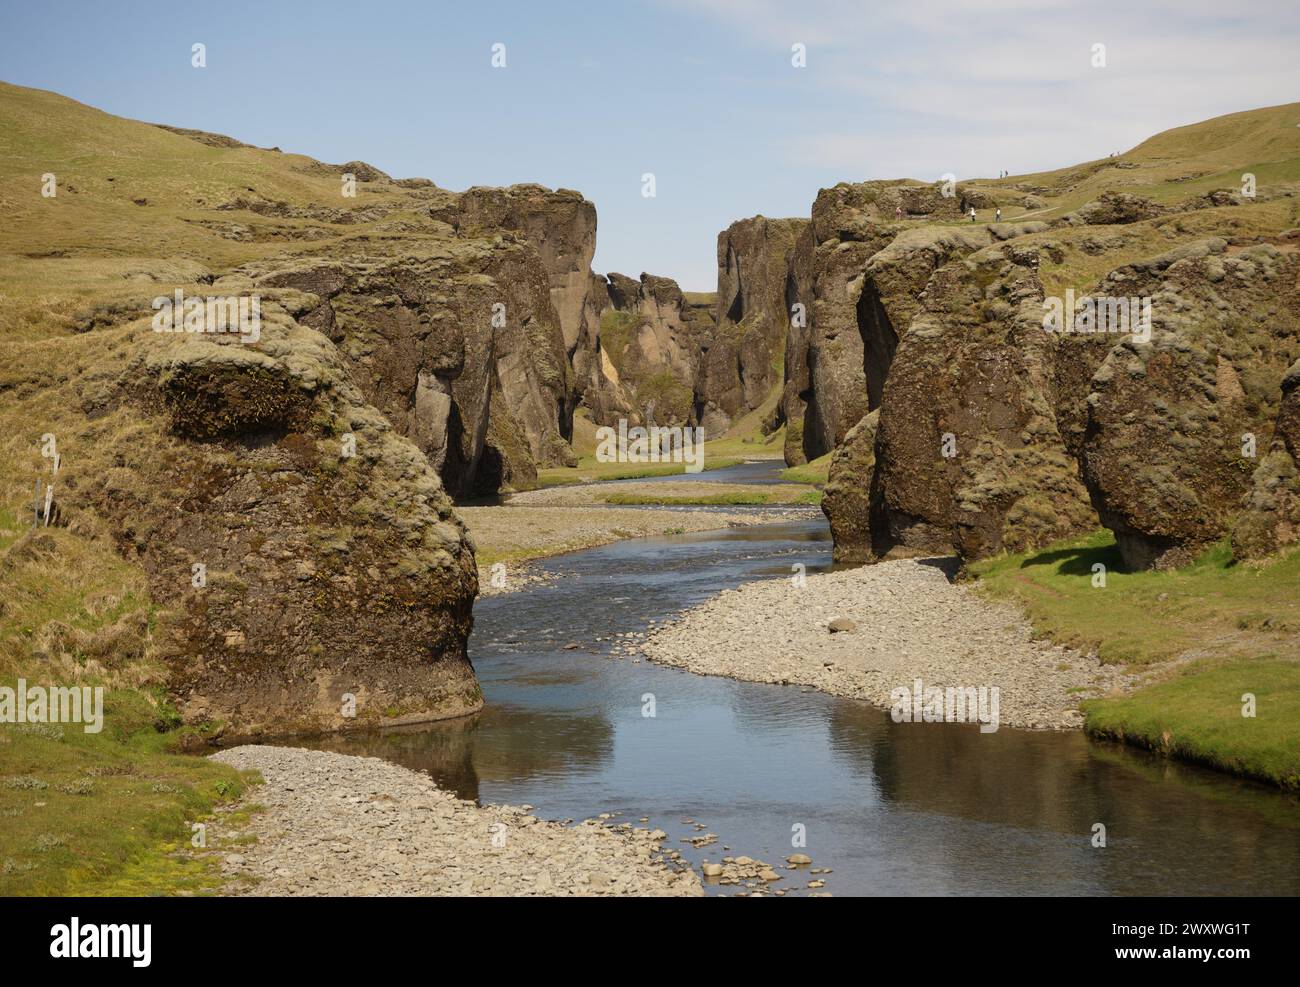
point(335, 824)
point(906, 622)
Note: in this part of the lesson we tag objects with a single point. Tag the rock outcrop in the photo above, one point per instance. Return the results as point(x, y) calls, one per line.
point(969, 459)
point(648, 353)
point(760, 283)
point(1172, 421)
point(308, 567)
point(431, 334)
point(961, 426)
point(560, 225)
point(853, 333)
point(1270, 520)
point(1114, 208)
point(846, 497)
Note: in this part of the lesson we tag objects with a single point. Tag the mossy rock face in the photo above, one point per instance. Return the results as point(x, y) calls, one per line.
point(846, 498)
point(298, 550)
point(649, 354)
point(447, 323)
point(1270, 520)
point(950, 357)
point(762, 274)
point(970, 460)
point(231, 398)
point(869, 272)
point(1170, 421)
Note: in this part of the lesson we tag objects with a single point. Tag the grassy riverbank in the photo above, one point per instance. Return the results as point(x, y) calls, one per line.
point(815, 471)
point(735, 497)
point(744, 440)
point(589, 470)
point(1204, 637)
point(94, 813)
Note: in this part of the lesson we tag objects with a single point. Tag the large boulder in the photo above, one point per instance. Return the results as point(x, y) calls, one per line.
point(969, 457)
point(1172, 421)
point(846, 497)
point(308, 569)
point(1270, 520)
point(1113, 208)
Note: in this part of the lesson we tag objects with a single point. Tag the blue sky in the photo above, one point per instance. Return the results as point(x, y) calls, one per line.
point(702, 94)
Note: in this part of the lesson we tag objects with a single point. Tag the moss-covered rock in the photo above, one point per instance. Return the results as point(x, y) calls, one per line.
point(1270, 520)
point(1171, 421)
point(846, 497)
point(310, 572)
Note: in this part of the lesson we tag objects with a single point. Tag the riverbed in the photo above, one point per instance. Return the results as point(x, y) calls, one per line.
point(892, 809)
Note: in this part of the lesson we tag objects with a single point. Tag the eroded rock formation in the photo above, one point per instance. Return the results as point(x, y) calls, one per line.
point(432, 333)
point(762, 276)
point(649, 353)
point(1270, 521)
point(1171, 420)
point(310, 571)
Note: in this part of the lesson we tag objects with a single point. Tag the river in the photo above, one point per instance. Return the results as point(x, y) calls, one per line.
point(893, 809)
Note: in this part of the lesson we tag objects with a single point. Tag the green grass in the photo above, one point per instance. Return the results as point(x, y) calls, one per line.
point(1198, 716)
point(589, 470)
point(734, 498)
point(107, 813)
point(814, 471)
point(1147, 617)
point(1236, 629)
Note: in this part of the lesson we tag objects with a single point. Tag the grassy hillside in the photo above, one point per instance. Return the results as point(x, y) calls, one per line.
point(1169, 168)
point(137, 212)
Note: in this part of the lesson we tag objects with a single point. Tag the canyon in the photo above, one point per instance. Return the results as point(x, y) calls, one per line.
point(421, 347)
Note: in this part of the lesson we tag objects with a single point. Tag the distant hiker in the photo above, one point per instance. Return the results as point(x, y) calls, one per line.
point(972, 214)
point(898, 212)
point(997, 217)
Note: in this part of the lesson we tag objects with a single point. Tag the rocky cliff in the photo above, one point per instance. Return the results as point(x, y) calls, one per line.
point(284, 490)
point(962, 423)
point(1175, 424)
point(762, 277)
point(649, 353)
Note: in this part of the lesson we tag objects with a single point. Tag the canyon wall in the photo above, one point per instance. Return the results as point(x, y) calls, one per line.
point(960, 425)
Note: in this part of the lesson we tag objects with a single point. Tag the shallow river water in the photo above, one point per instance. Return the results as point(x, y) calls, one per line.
point(894, 809)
